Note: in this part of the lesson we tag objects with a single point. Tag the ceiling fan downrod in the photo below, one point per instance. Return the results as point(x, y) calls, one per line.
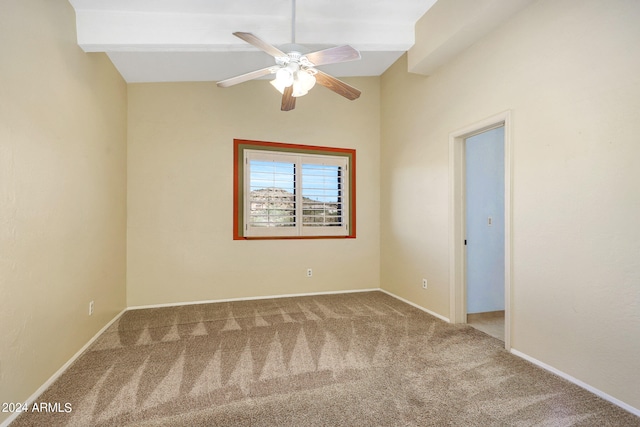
point(293, 21)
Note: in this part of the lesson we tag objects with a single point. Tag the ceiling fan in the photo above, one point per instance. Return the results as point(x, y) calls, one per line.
point(295, 72)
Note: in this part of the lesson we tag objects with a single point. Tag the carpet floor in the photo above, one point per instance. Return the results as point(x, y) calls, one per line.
point(361, 359)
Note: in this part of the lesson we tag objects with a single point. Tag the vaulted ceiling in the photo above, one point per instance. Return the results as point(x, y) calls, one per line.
point(191, 40)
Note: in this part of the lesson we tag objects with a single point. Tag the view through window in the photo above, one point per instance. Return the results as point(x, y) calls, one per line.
point(294, 191)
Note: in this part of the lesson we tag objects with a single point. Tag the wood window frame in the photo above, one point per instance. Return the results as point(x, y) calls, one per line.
point(240, 145)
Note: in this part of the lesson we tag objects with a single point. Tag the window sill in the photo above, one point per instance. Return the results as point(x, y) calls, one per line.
point(291, 237)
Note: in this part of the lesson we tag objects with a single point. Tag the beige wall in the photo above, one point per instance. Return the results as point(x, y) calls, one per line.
point(62, 193)
point(180, 198)
point(568, 70)
point(570, 73)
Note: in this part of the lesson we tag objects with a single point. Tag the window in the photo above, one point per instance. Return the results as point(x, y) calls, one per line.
point(293, 191)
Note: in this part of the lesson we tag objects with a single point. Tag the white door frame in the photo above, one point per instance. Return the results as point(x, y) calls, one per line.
point(457, 253)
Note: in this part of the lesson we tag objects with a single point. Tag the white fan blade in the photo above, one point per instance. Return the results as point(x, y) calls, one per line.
point(333, 55)
point(260, 44)
point(245, 77)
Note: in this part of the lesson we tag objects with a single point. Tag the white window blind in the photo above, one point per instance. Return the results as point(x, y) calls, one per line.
point(322, 191)
point(291, 194)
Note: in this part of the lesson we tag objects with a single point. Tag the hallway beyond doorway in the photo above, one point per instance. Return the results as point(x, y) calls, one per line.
point(491, 323)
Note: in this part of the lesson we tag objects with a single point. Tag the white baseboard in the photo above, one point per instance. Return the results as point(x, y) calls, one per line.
point(426, 310)
point(60, 371)
point(600, 393)
point(308, 294)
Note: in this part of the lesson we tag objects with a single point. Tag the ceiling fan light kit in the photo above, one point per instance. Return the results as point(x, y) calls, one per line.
point(296, 73)
point(300, 76)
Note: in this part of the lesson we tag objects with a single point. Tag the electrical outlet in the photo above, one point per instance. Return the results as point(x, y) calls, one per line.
point(309, 272)
point(424, 283)
point(90, 308)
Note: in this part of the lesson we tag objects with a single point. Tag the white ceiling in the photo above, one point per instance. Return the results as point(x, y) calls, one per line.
point(191, 40)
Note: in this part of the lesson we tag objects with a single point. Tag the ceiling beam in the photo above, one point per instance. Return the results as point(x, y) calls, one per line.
point(136, 31)
point(451, 26)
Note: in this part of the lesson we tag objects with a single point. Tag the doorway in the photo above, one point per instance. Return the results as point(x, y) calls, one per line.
point(484, 230)
point(481, 278)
